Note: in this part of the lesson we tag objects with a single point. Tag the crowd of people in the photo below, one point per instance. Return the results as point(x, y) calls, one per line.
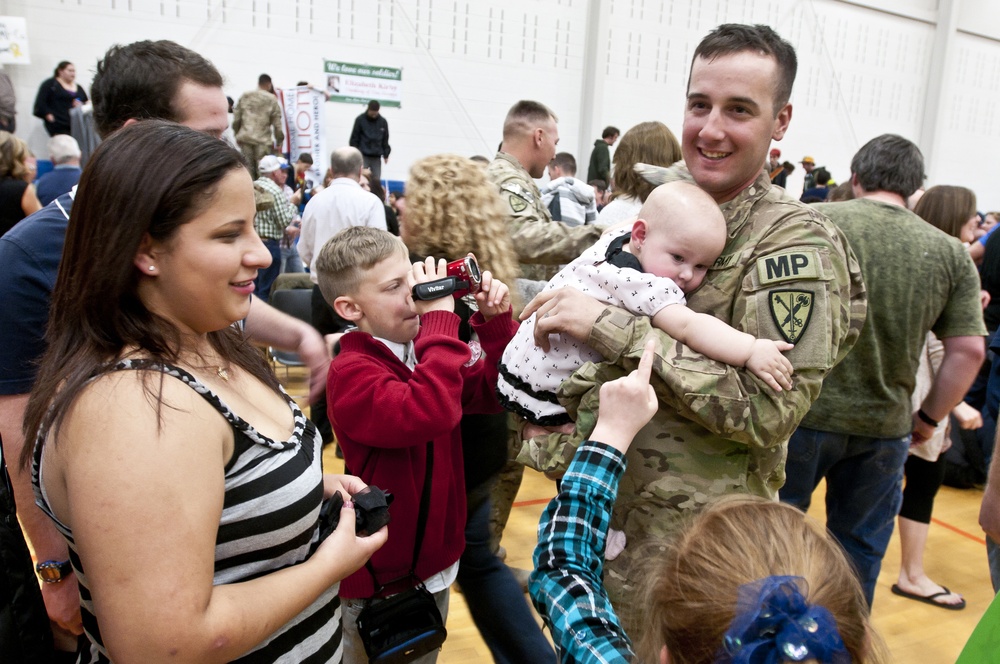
point(659, 352)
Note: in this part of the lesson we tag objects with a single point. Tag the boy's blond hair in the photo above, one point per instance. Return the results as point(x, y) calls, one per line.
point(345, 259)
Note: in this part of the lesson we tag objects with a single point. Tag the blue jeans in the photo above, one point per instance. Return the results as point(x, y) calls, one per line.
point(265, 278)
point(993, 552)
point(496, 602)
point(290, 261)
point(864, 490)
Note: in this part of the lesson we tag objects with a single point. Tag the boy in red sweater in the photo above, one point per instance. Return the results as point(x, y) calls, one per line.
point(400, 385)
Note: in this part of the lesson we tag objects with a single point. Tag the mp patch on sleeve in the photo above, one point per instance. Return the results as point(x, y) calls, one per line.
point(794, 265)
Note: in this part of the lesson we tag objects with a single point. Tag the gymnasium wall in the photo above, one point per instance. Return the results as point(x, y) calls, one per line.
point(864, 67)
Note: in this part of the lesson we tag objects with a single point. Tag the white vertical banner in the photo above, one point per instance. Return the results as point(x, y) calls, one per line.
point(305, 130)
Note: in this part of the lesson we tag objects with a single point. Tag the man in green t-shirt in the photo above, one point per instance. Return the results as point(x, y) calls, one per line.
point(858, 432)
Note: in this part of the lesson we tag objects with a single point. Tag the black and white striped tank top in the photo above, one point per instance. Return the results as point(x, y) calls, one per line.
point(273, 492)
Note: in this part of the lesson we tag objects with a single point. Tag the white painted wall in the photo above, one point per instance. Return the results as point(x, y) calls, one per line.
point(864, 65)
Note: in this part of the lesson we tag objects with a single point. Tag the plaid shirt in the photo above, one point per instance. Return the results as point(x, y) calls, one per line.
point(566, 585)
point(270, 223)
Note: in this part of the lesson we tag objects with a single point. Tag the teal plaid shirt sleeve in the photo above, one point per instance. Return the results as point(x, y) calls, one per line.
point(566, 585)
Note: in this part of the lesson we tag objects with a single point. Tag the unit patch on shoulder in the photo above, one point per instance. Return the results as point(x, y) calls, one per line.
point(794, 265)
point(791, 310)
point(517, 204)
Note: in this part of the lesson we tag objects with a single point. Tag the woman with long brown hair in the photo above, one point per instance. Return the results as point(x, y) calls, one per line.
point(185, 482)
point(953, 210)
point(646, 143)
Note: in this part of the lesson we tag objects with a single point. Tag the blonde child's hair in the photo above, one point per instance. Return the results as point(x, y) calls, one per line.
point(346, 258)
point(692, 588)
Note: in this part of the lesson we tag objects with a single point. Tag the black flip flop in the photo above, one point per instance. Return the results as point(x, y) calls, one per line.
point(929, 599)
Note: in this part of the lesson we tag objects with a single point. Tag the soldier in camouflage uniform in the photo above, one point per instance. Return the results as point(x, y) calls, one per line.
point(256, 116)
point(530, 135)
point(786, 273)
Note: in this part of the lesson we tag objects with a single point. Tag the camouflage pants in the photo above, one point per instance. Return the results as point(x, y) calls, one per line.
point(254, 152)
point(506, 487)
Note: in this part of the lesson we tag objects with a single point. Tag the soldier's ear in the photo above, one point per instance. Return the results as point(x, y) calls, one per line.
point(781, 120)
point(537, 136)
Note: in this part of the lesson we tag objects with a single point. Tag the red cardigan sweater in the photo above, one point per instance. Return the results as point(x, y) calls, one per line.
point(384, 415)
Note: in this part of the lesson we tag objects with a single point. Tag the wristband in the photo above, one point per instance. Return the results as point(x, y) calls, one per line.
point(925, 418)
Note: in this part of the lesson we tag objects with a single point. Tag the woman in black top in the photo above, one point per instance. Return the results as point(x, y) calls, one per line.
point(56, 96)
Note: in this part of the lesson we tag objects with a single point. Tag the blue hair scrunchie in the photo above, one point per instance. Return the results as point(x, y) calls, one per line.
point(774, 624)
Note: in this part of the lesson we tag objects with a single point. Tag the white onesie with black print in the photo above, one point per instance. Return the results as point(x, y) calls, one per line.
point(530, 377)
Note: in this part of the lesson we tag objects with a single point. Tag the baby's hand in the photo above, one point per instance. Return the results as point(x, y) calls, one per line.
point(427, 271)
point(493, 298)
point(767, 363)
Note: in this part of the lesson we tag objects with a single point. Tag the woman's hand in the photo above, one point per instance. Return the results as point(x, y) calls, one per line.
point(344, 549)
point(347, 485)
point(493, 298)
point(350, 551)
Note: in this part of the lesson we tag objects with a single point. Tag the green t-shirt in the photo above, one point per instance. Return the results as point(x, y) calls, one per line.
point(984, 644)
point(918, 279)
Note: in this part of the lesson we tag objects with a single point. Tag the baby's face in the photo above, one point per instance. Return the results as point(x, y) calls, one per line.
point(680, 253)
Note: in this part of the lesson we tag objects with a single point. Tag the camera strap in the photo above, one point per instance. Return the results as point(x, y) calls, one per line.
point(425, 503)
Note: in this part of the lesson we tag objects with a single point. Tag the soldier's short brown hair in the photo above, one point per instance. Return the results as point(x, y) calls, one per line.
point(524, 116)
point(345, 259)
point(732, 38)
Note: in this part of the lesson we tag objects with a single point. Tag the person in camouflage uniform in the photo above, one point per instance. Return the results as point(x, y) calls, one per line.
point(786, 273)
point(256, 116)
point(530, 135)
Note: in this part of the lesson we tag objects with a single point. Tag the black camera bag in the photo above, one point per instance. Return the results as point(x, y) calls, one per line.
point(406, 625)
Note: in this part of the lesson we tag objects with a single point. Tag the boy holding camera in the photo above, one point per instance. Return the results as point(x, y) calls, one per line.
point(396, 394)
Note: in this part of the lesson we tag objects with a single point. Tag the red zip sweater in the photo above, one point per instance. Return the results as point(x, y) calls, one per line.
point(384, 415)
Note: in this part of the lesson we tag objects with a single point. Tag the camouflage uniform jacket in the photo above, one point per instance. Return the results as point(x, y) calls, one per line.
point(786, 272)
point(256, 114)
point(538, 240)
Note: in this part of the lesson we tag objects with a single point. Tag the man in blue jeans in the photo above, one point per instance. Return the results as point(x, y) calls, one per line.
point(858, 432)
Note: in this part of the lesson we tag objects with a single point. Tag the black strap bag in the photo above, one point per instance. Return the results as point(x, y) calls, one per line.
point(406, 625)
